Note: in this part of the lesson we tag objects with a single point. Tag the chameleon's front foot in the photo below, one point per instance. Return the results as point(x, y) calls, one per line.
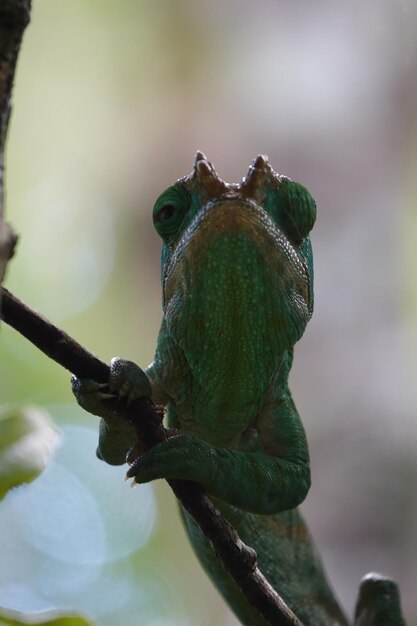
point(126, 381)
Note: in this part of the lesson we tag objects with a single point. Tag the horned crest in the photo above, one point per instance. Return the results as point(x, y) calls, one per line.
point(205, 178)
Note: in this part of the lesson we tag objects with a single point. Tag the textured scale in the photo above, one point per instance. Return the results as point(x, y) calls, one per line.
point(237, 294)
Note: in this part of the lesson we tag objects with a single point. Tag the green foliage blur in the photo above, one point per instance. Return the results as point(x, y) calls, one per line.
point(111, 101)
point(26, 435)
point(10, 618)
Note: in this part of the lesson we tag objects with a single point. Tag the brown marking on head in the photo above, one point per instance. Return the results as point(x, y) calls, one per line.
point(254, 185)
point(260, 176)
point(205, 179)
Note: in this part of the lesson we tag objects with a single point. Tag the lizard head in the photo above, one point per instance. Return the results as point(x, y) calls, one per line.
point(236, 267)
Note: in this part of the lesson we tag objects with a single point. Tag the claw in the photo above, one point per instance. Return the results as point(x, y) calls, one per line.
point(132, 483)
point(107, 396)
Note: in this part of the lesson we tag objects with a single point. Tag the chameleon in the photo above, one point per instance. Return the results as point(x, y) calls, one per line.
point(237, 294)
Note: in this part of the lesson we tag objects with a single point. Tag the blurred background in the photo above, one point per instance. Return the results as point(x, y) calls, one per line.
point(111, 102)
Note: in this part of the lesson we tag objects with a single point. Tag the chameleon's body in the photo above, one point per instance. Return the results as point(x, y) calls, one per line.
point(237, 280)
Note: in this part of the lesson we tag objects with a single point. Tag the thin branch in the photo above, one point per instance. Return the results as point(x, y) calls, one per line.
point(14, 17)
point(237, 558)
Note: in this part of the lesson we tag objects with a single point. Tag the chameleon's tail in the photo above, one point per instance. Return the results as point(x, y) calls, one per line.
point(378, 603)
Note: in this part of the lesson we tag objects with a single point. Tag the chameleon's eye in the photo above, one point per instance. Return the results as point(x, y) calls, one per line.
point(166, 212)
point(294, 211)
point(169, 211)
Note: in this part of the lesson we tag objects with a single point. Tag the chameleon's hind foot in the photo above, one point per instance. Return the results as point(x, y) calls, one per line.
point(378, 602)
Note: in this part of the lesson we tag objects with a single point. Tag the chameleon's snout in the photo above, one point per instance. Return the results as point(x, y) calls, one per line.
point(235, 274)
point(234, 241)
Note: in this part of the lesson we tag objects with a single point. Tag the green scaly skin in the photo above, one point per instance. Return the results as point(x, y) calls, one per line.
point(237, 281)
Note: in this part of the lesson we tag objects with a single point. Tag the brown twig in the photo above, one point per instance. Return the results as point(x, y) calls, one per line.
point(14, 17)
point(237, 558)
